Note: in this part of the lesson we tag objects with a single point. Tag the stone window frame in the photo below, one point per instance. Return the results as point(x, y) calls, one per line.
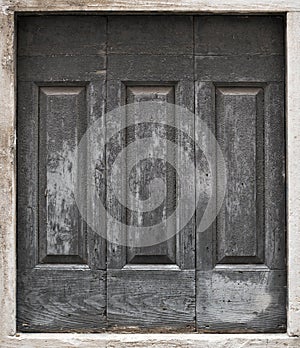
point(8, 335)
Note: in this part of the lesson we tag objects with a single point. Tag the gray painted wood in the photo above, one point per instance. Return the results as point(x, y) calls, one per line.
point(165, 252)
point(61, 286)
point(275, 216)
point(241, 300)
point(240, 224)
point(62, 122)
point(55, 298)
point(240, 258)
point(161, 68)
point(239, 35)
point(148, 298)
point(59, 36)
point(229, 278)
point(61, 68)
point(142, 67)
point(240, 68)
point(150, 35)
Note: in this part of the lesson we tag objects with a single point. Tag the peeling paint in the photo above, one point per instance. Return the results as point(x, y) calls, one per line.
point(7, 160)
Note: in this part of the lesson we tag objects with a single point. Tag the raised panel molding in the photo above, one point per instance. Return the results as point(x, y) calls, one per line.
point(140, 93)
point(62, 121)
point(165, 252)
point(240, 134)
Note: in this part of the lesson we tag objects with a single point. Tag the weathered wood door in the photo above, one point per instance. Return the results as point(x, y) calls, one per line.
point(229, 72)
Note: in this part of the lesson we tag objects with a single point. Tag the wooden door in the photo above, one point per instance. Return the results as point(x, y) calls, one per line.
point(151, 286)
point(229, 72)
point(239, 67)
point(61, 89)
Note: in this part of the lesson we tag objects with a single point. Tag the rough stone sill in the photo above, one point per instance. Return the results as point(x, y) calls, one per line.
point(111, 340)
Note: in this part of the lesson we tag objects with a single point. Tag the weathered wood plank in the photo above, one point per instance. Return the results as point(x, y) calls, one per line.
point(58, 97)
point(141, 60)
point(238, 35)
point(140, 181)
point(153, 63)
point(27, 179)
point(205, 112)
point(149, 68)
point(52, 35)
point(151, 299)
point(56, 300)
point(275, 172)
point(139, 35)
point(226, 292)
point(239, 68)
point(62, 122)
point(241, 301)
point(134, 60)
point(61, 68)
point(240, 223)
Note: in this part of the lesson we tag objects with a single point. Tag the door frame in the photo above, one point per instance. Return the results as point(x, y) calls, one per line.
point(8, 335)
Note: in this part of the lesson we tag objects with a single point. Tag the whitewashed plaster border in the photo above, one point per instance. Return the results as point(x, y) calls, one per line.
point(8, 335)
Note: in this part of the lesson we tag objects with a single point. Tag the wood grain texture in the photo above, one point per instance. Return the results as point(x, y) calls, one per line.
point(62, 122)
point(240, 223)
point(235, 38)
point(240, 68)
point(149, 68)
point(140, 177)
point(140, 296)
point(241, 301)
point(151, 299)
point(61, 68)
point(27, 175)
point(52, 36)
point(154, 65)
point(56, 300)
point(275, 174)
point(138, 35)
point(58, 96)
point(223, 100)
point(243, 92)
